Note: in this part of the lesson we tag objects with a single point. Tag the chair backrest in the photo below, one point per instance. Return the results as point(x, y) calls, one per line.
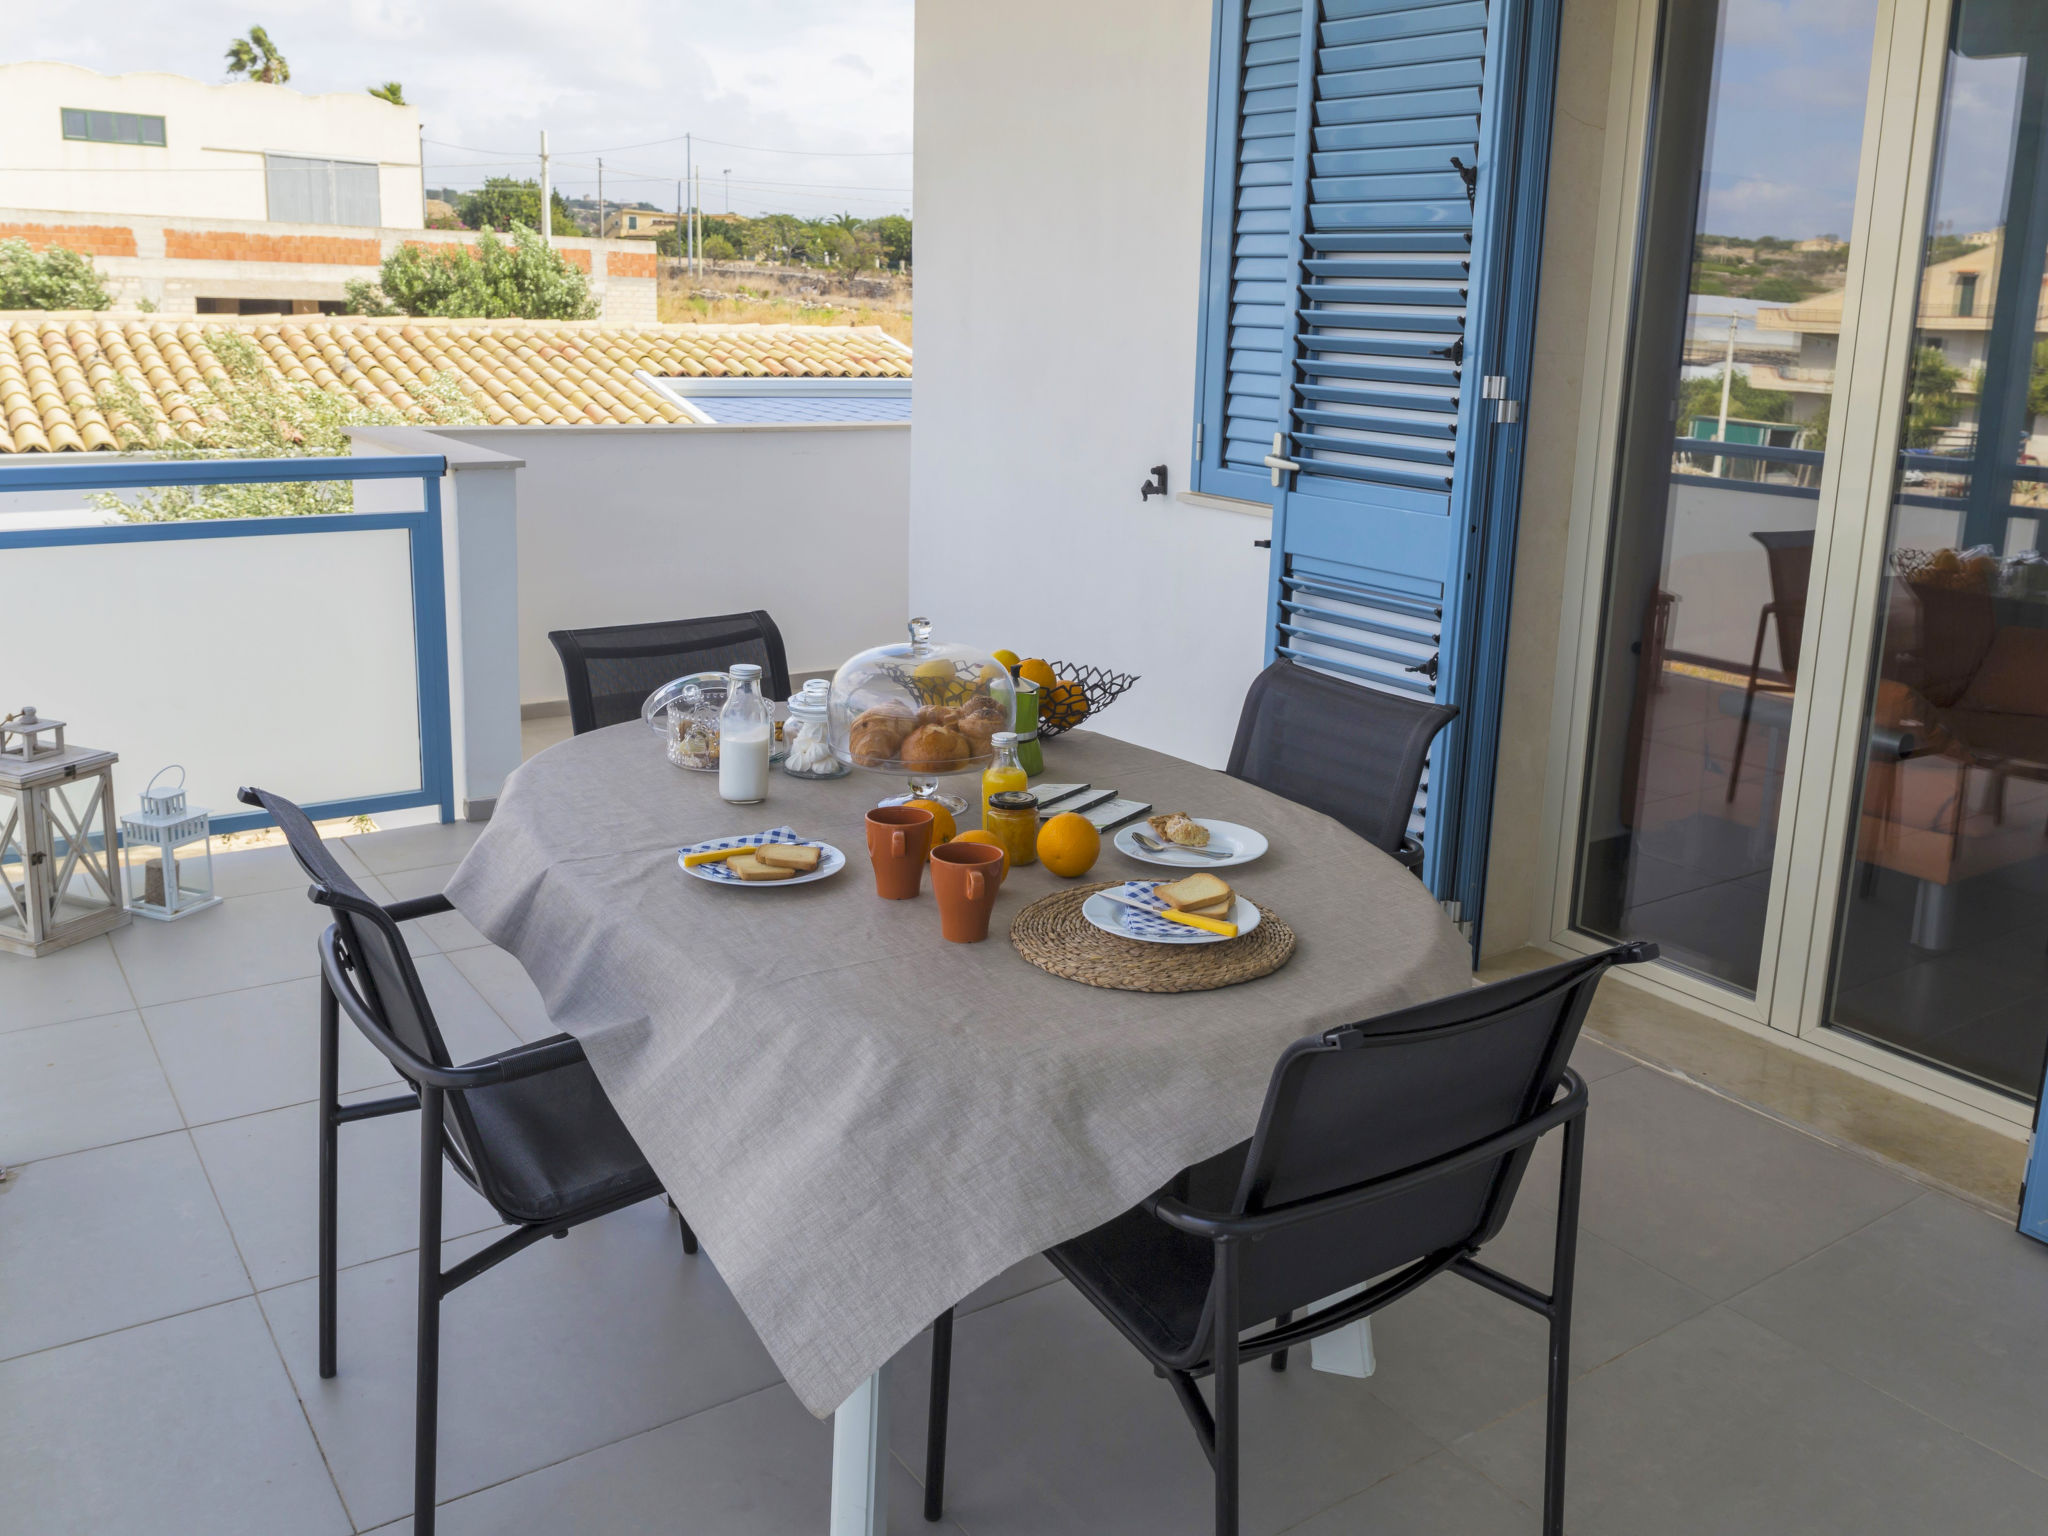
point(1790, 554)
point(1392, 1094)
point(1356, 754)
point(388, 983)
point(611, 671)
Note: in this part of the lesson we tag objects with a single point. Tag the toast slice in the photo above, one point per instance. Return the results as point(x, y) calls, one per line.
point(1200, 890)
point(748, 867)
point(1220, 907)
point(800, 857)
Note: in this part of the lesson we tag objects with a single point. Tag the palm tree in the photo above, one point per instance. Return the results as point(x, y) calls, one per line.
point(257, 57)
point(390, 91)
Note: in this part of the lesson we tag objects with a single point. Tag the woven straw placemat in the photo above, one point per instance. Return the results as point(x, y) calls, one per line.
point(1053, 935)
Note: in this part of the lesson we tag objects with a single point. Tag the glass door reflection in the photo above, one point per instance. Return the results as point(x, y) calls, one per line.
point(1754, 150)
point(1942, 946)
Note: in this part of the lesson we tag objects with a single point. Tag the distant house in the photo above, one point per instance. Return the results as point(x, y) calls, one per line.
point(1821, 244)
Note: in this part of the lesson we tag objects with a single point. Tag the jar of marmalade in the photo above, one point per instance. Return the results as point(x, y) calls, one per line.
point(1013, 819)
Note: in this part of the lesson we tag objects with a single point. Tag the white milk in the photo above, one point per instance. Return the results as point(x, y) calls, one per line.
point(743, 766)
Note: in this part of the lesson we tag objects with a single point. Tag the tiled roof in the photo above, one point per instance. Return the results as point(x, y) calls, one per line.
point(519, 372)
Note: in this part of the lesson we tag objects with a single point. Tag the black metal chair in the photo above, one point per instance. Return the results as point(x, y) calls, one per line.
point(530, 1129)
point(1354, 753)
point(611, 671)
point(1392, 1148)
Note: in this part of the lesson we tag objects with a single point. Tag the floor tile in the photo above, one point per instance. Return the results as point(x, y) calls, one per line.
point(246, 941)
point(760, 1466)
point(186, 1427)
point(1713, 1194)
point(81, 982)
point(564, 1347)
point(469, 1025)
point(1454, 1357)
point(1438, 1497)
point(1595, 1061)
point(109, 1238)
point(1938, 1304)
point(416, 847)
point(239, 1053)
point(448, 931)
point(1057, 1424)
point(503, 983)
point(252, 871)
point(64, 1087)
point(265, 1169)
point(1721, 1427)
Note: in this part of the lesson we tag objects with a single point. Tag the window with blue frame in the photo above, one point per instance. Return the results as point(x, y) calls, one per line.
point(113, 127)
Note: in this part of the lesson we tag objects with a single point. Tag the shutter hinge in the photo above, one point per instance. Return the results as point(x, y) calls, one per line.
point(1494, 387)
point(1198, 440)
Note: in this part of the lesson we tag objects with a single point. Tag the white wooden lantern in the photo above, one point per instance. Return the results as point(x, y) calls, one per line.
point(166, 887)
point(59, 880)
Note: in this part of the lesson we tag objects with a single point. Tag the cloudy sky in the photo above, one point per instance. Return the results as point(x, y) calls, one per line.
point(830, 81)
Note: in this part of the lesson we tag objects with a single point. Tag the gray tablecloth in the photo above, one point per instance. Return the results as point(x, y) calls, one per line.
point(862, 1121)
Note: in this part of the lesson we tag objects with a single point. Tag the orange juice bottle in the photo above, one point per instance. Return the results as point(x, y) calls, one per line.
point(1004, 774)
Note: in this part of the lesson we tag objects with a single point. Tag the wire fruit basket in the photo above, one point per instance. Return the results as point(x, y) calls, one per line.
point(1077, 694)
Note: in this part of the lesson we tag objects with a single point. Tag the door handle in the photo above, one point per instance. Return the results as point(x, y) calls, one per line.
point(1276, 461)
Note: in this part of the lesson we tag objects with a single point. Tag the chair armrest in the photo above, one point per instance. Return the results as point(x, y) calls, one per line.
point(419, 906)
point(525, 1061)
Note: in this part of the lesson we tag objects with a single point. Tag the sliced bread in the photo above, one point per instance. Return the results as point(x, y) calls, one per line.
point(749, 867)
point(1201, 890)
point(801, 857)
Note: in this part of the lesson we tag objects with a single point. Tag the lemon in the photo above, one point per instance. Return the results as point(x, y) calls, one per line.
point(943, 825)
point(1069, 845)
point(1008, 659)
point(937, 670)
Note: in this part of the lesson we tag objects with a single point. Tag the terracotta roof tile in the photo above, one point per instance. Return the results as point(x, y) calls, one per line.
point(518, 372)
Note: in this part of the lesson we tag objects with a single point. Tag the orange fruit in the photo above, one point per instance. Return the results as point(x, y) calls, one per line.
point(1036, 671)
point(1069, 845)
point(979, 836)
point(943, 825)
point(1066, 706)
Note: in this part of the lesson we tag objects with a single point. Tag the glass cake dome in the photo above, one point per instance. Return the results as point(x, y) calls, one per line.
point(923, 709)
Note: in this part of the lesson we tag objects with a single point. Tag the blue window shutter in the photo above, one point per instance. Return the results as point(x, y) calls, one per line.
point(1249, 215)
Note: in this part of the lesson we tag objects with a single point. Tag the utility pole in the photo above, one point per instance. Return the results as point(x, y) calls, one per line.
point(683, 226)
point(682, 230)
point(547, 222)
point(1727, 383)
point(727, 174)
point(600, 197)
point(423, 175)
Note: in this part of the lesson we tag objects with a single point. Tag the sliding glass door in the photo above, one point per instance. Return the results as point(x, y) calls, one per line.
point(1941, 935)
point(1754, 146)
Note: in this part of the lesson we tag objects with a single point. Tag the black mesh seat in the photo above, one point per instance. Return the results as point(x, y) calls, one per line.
point(530, 1129)
point(1388, 1152)
point(1356, 754)
point(611, 671)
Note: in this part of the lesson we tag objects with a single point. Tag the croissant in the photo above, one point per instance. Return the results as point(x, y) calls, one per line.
point(935, 749)
point(938, 714)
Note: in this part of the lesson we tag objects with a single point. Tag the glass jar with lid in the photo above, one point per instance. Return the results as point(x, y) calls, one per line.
point(1012, 819)
point(808, 735)
point(684, 713)
point(925, 709)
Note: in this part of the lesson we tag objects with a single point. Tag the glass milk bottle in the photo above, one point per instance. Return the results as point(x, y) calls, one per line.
point(745, 739)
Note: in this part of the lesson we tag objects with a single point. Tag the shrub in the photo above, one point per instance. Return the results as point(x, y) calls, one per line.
point(522, 280)
point(56, 279)
point(247, 411)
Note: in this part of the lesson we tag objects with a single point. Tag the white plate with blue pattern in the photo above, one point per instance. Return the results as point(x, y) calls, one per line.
point(1129, 922)
point(830, 859)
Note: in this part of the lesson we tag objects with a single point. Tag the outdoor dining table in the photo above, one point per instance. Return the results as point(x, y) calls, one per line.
point(862, 1121)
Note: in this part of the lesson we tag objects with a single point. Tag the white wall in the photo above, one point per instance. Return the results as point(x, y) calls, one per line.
point(211, 165)
point(284, 660)
point(620, 525)
point(1051, 375)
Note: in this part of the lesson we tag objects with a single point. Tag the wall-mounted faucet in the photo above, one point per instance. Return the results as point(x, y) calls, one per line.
point(1156, 486)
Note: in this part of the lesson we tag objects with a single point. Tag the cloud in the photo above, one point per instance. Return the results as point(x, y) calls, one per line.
point(488, 75)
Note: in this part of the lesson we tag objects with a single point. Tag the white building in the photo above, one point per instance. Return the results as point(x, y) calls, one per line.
point(76, 141)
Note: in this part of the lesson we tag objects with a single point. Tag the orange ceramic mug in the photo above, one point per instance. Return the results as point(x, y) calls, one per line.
point(965, 878)
point(899, 841)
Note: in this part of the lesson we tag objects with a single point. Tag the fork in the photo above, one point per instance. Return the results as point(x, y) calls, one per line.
point(1153, 845)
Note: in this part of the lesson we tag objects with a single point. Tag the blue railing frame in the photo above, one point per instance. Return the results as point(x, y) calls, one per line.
point(429, 592)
